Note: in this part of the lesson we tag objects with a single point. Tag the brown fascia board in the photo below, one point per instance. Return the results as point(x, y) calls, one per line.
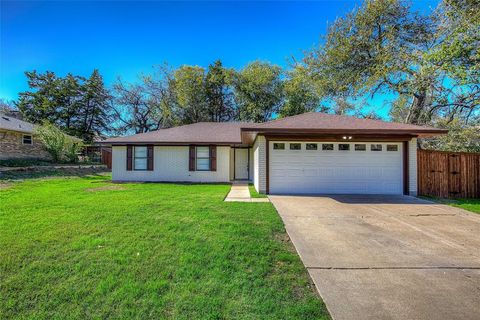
point(167, 144)
point(383, 132)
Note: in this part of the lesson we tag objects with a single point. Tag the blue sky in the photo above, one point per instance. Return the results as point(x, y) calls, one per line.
point(127, 38)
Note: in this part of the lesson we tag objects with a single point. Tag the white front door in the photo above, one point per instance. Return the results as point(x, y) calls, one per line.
point(241, 163)
point(336, 168)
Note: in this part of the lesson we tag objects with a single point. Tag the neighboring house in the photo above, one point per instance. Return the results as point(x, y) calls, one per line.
point(17, 140)
point(311, 153)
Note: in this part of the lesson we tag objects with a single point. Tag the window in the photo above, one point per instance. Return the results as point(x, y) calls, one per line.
point(140, 158)
point(327, 146)
point(27, 139)
point(279, 146)
point(311, 146)
point(203, 158)
point(343, 146)
point(392, 147)
point(376, 147)
point(295, 146)
point(360, 147)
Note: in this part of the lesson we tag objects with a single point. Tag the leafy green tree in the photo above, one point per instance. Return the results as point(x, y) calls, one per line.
point(219, 93)
point(190, 93)
point(460, 138)
point(385, 47)
point(61, 147)
point(259, 91)
point(80, 107)
point(300, 94)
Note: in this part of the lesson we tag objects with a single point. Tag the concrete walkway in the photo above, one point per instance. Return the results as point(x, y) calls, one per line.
point(387, 257)
point(240, 193)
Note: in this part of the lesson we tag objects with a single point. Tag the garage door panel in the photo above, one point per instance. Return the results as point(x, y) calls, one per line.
point(336, 171)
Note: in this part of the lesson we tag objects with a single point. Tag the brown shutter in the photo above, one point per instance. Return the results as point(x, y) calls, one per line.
point(213, 158)
point(191, 161)
point(129, 158)
point(150, 158)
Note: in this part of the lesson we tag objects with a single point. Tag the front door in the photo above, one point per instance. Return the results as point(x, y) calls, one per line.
point(241, 163)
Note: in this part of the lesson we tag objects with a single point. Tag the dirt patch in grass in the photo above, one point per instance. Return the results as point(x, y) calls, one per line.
point(107, 188)
point(4, 185)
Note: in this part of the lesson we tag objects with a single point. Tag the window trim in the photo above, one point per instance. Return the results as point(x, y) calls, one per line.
point(278, 144)
point(31, 139)
point(328, 144)
point(197, 157)
point(360, 144)
point(294, 144)
point(392, 145)
point(134, 157)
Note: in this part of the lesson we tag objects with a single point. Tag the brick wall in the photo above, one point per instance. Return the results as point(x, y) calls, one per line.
point(12, 147)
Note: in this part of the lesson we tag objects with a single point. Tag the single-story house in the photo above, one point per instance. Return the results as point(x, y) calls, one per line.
point(311, 153)
point(18, 141)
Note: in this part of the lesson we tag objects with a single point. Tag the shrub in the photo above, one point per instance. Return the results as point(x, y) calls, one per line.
point(61, 147)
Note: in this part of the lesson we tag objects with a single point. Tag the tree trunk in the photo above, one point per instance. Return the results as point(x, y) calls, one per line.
point(417, 108)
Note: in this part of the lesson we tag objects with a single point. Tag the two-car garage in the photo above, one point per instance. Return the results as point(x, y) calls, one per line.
point(303, 167)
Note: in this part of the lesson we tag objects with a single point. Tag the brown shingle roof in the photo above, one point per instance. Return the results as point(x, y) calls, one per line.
point(230, 132)
point(201, 132)
point(325, 121)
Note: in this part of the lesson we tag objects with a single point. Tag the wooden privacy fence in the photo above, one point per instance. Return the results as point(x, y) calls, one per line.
point(448, 174)
point(107, 157)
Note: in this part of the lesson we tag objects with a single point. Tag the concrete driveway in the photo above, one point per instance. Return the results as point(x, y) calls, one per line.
point(387, 257)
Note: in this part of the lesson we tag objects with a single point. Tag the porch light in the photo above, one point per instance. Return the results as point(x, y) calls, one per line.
point(344, 138)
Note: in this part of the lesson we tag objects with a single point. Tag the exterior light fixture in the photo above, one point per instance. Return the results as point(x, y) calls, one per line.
point(350, 138)
point(344, 138)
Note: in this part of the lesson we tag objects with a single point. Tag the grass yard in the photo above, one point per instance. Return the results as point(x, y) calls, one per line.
point(254, 193)
point(472, 205)
point(76, 248)
point(467, 204)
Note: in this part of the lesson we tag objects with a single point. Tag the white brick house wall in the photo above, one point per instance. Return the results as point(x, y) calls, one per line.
point(170, 164)
point(412, 166)
point(260, 164)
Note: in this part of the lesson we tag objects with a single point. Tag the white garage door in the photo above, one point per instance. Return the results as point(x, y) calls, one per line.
point(336, 168)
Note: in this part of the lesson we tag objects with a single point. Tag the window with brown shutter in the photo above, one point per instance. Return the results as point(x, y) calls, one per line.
point(191, 161)
point(213, 158)
point(129, 158)
point(150, 158)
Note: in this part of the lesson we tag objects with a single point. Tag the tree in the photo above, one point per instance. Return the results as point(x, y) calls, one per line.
point(61, 147)
point(135, 107)
point(300, 94)
point(219, 93)
point(460, 138)
point(190, 93)
point(384, 47)
point(94, 113)
point(7, 107)
point(258, 91)
point(81, 107)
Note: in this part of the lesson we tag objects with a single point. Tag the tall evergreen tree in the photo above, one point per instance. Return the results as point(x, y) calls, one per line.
point(219, 93)
point(78, 106)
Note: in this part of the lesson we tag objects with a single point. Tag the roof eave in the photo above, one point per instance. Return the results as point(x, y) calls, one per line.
point(432, 131)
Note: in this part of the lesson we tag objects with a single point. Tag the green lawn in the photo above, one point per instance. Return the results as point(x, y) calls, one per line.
point(467, 204)
point(472, 205)
point(254, 193)
point(76, 248)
